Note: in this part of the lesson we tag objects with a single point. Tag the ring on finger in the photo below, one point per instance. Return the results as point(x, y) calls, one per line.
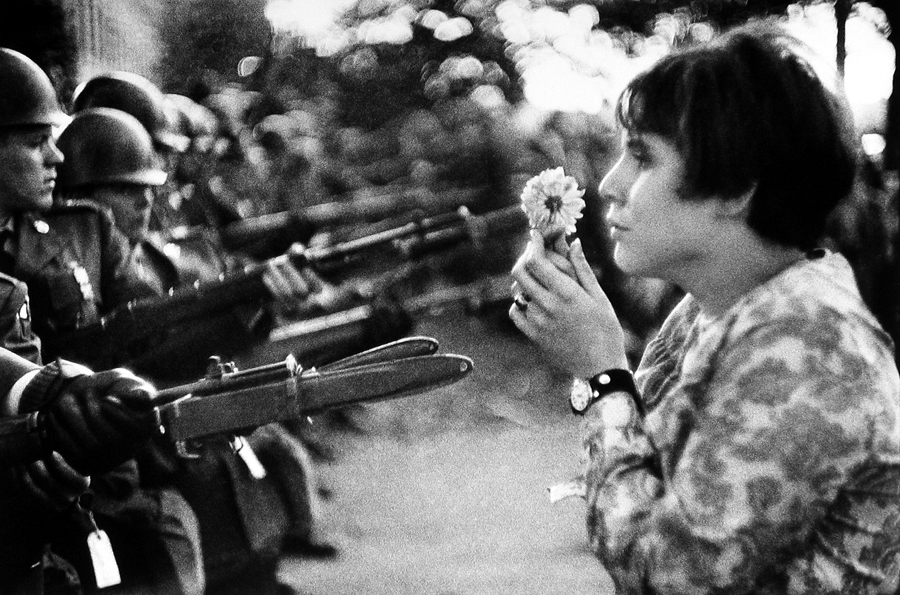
point(520, 302)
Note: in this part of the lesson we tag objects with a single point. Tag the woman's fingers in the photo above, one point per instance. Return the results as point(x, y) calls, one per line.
point(583, 271)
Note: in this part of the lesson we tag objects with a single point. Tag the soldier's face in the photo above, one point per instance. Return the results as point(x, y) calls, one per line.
point(28, 160)
point(130, 205)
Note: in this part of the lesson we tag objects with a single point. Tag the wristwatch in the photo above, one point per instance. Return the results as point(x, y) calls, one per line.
point(586, 392)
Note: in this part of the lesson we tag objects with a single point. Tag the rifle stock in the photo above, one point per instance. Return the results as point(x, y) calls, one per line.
point(127, 329)
point(308, 339)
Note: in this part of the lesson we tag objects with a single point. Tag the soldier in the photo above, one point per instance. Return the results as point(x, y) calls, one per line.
point(36, 497)
point(71, 257)
point(88, 424)
point(110, 161)
point(45, 486)
point(160, 116)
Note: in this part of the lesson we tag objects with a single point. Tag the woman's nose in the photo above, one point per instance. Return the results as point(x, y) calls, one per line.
point(612, 188)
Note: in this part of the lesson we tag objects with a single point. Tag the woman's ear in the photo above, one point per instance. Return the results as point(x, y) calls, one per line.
point(737, 207)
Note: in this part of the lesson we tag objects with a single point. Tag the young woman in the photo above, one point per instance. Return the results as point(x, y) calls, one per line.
point(757, 447)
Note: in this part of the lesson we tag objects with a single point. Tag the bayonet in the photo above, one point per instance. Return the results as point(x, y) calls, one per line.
point(232, 401)
point(244, 405)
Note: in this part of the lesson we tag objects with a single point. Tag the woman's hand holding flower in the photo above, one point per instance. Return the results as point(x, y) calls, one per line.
point(568, 315)
point(553, 203)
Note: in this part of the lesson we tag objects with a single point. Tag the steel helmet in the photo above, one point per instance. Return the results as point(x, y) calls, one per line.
point(198, 122)
point(26, 93)
point(106, 146)
point(139, 97)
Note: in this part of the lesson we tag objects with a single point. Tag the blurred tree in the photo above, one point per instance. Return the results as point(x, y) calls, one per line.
point(208, 38)
point(38, 29)
point(387, 56)
point(397, 55)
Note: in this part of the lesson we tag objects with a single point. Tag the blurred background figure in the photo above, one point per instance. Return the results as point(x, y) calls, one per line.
point(165, 123)
point(243, 514)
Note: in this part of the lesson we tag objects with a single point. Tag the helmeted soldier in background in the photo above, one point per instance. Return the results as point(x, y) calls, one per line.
point(138, 96)
point(36, 497)
point(245, 507)
point(194, 171)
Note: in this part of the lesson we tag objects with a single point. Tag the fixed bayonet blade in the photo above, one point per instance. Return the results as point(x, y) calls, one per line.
point(379, 381)
point(402, 348)
point(312, 391)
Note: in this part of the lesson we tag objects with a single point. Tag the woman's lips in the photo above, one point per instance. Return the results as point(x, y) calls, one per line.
point(616, 232)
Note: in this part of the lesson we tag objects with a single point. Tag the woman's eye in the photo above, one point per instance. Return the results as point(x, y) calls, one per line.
point(641, 158)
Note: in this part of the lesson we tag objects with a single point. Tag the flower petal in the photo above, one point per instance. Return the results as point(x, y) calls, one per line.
point(553, 202)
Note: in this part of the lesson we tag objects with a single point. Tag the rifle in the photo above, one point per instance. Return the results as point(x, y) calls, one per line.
point(127, 328)
point(312, 337)
point(232, 401)
point(275, 232)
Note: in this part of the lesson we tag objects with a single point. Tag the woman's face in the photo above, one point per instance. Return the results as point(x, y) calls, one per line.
point(656, 232)
point(130, 206)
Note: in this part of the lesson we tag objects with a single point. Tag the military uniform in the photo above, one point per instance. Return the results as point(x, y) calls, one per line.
point(22, 531)
point(245, 505)
point(74, 263)
point(15, 320)
point(180, 353)
point(76, 266)
point(20, 554)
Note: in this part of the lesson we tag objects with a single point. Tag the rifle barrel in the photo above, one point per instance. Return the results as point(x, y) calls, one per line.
point(140, 319)
point(231, 380)
point(354, 208)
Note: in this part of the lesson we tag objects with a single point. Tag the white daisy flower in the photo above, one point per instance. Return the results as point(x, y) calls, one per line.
point(553, 203)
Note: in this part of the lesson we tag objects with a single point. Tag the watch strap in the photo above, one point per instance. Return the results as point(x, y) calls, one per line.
point(612, 381)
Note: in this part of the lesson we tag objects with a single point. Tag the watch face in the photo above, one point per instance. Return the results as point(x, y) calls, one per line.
point(580, 397)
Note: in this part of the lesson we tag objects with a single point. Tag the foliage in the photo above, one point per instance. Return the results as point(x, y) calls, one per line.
point(206, 39)
point(37, 28)
point(387, 56)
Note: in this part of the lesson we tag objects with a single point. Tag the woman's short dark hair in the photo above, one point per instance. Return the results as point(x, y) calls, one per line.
point(748, 110)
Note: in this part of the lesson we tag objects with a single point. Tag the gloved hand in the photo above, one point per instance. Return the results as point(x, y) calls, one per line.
point(95, 421)
point(51, 483)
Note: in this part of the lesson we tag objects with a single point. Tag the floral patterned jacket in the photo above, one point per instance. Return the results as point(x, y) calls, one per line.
point(769, 458)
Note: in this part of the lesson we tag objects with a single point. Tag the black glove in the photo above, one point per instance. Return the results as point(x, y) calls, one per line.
point(50, 483)
point(95, 421)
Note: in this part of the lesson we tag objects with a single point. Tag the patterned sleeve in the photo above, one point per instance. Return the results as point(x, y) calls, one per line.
point(730, 477)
